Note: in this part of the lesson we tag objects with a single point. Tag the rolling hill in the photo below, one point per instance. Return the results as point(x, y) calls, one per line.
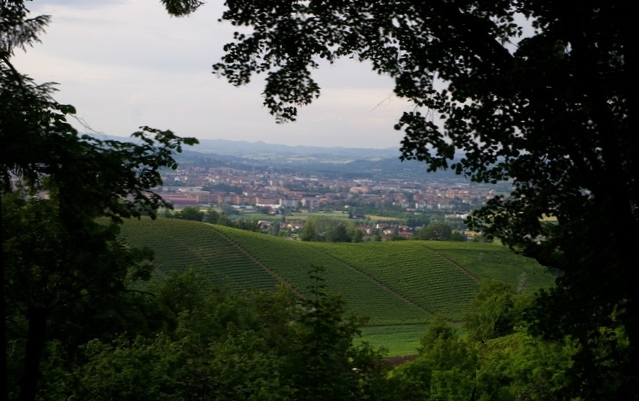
point(394, 283)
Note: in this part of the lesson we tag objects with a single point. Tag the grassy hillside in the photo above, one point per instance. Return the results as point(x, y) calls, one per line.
point(402, 282)
point(179, 244)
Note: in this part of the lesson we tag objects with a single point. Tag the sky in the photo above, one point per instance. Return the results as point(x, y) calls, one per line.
point(127, 63)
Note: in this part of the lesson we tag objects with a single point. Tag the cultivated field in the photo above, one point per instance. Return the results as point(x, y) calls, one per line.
point(400, 283)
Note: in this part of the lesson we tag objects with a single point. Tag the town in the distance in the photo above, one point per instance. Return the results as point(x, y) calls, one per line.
point(384, 197)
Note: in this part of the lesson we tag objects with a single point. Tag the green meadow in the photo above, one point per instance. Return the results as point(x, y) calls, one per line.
point(399, 340)
point(398, 285)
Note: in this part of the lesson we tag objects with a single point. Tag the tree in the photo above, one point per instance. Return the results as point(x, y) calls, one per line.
point(191, 213)
point(229, 210)
point(339, 234)
point(275, 229)
point(43, 151)
point(52, 276)
point(59, 259)
point(444, 369)
point(543, 94)
point(435, 230)
point(308, 232)
point(357, 235)
point(222, 345)
point(415, 221)
point(323, 364)
point(458, 236)
point(212, 216)
point(496, 310)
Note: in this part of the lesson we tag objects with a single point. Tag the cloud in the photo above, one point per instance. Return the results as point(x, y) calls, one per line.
point(78, 4)
point(127, 63)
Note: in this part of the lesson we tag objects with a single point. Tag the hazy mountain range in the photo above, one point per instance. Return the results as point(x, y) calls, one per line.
point(246, 149)
point(326, 161)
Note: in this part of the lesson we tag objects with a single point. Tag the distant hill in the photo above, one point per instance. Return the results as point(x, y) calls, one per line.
point(403, 282)
point(246, 149)
point(337, 162)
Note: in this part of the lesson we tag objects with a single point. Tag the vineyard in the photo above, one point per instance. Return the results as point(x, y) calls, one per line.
point(293, 260)
point(179, 244)
point(493, 261)
point(403, 282)
point(419, 274)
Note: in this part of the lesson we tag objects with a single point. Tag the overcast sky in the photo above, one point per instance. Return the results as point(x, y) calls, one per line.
point(126, 63)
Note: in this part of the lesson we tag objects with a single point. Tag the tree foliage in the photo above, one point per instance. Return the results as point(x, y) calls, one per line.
point(542, 94)
point(496, 311)
point(435, 230)
point(444, 369)
point(88, 175)
point(191, 213)
point(506, 364)
point(330, 230)
point(229, 346)
point(65, 272)
point(309, 232)
point(62, 284)
point(212, 216)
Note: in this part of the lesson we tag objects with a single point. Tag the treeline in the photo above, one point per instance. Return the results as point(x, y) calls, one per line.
point(324, 229)
point(212, 216)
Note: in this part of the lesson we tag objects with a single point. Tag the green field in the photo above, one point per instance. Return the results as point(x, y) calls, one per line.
point(399, 340)
point(399, 285)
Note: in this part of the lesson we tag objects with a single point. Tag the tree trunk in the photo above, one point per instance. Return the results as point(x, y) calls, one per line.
point(36, 339)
